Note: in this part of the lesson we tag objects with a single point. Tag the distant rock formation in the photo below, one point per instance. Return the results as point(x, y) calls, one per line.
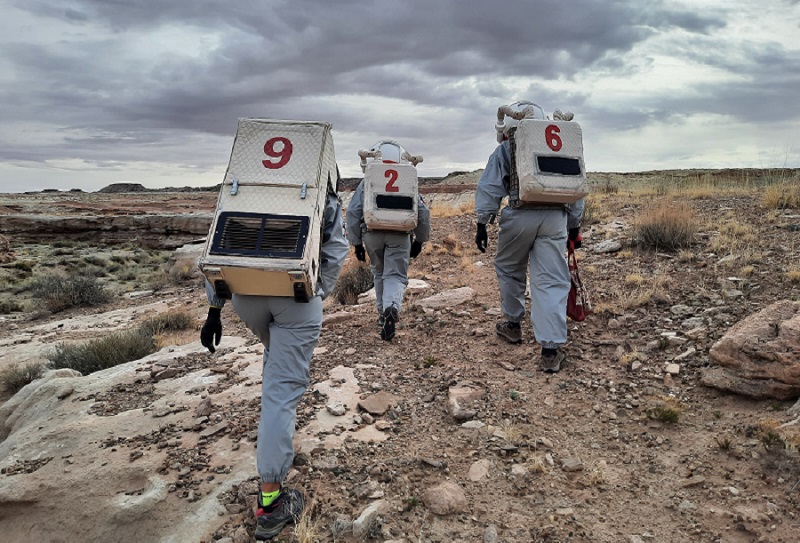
point(123, 187)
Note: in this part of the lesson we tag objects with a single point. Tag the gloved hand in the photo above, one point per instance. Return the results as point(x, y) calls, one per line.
point(416, 248)
point(574, 238)
point(360, 253)
point(481, 238)
point(211, 332)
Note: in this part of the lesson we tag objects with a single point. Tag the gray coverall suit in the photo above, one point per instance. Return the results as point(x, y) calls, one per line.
point(289, 331)
point(388, 251)
point(535, 236)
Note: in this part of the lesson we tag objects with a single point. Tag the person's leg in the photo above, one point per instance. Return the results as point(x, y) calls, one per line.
point(514, 243)
point(374, 244)
point(550, 284)
point(395, 269)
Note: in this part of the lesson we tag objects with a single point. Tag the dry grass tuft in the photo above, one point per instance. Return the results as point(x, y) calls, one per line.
point(793, 276)
point(667, 227)
point(784, 195)
point(443, 210)
point(355, 279)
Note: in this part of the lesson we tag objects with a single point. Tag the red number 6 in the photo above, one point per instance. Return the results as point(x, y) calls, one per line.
point(552, 137)
point(391, 175)
point(283, 155)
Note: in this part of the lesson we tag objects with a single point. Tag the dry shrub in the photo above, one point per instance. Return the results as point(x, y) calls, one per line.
point(738, 239)
point(60, 292)
point(16, 376)
point(355, 279)
point(170, 321)
point(103, 353)
point(793, 276)
point(667, 227)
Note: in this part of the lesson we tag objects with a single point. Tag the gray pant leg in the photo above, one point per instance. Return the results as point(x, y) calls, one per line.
point(550, 281)
point(373, 242)
point(395, 269)
point(289, 331)
point(514, 245)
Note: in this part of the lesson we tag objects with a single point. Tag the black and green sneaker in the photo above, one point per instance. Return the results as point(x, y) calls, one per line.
point(286, 508)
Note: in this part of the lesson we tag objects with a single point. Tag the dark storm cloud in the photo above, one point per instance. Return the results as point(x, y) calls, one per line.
point(272, 52)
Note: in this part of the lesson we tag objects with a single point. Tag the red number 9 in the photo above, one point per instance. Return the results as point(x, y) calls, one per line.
point(283, 155)
point(553, 139)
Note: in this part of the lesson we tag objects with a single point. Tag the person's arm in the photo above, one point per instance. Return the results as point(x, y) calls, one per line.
point(422, 232)
point(492, 185)
point(355, 215)
point(575, 214)
point(334, 247)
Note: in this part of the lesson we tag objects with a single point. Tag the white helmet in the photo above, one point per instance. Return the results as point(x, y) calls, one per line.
point(509, 116)
point(389, 152)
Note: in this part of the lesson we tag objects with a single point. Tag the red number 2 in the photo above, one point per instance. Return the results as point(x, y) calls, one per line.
point(552, 137)
point(283, 155)
point(391, 175)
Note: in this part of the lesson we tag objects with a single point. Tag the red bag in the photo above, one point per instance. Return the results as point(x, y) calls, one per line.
point(578, 304)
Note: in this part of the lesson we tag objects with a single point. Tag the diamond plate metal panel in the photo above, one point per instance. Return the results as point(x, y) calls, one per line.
point(277, 152)
point(384, 183)
point(549, 161)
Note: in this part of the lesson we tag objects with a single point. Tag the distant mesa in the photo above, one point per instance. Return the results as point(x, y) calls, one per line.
point(115, 188)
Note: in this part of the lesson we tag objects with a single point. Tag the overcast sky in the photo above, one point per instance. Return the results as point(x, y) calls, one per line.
point(94, 92)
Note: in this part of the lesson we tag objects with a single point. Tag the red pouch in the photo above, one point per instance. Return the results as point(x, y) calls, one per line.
point(578, 304)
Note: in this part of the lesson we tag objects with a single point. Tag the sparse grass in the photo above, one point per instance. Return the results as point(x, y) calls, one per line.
point(354, 279)
point(451, 246)
point(443, 210)
point(536, 464)
point(16, 376)
point(793, 276)
point(724, 442)
point(666, 227)
point(596, 475)
point(103, 353)
point(60, 292)
point(308, 528)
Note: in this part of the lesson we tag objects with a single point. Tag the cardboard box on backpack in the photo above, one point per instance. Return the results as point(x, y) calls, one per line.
point(390, 196)
point(266, 233)
point(548, 156)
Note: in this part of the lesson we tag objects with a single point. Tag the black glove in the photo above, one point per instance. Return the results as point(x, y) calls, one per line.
point(481, 238)
point(360, 253)
point(416, 248)
point(574, 238)
point(211, 332)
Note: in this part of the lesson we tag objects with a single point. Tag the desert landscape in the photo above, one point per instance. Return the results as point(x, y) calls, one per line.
point(675, 420)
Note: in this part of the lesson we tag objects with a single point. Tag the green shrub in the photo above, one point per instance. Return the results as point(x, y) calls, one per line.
point(16, 376)
point(63, 292)
point(354, 279)
point(103, 353)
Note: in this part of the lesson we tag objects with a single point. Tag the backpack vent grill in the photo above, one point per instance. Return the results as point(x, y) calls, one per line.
point(260, 235)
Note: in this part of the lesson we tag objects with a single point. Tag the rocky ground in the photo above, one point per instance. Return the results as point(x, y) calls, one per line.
point(623, 445)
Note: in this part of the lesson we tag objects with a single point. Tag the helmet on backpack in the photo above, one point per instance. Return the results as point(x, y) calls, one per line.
point(389, 152)
point(508, 117)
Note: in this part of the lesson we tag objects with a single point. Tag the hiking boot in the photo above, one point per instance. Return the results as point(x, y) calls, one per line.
point(285, 509)
point(509, 331)
point(551, 363)
point(390, 315)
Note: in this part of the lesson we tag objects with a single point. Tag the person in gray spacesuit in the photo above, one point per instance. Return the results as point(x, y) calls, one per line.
point(532, 234)
point(389, 251)
point(289, 331)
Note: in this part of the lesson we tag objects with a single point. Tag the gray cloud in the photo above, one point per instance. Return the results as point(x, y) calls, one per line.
point(114, 89)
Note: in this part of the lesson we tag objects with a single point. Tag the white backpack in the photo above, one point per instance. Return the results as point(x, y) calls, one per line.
point(266, 234)
point(547, 162)
point(390, 197)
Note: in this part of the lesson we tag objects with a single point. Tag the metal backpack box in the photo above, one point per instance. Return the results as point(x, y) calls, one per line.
point(548, 159)
point(390, 197)
point(267, 228)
